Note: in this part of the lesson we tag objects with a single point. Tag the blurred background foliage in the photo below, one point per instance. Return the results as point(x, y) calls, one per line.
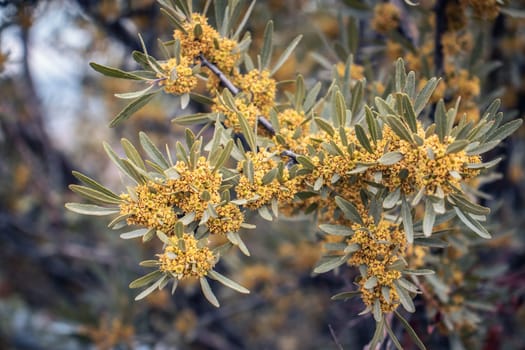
point(64, 277)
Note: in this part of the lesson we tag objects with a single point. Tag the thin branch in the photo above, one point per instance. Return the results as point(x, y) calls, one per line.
point(266, 124)
point(222, 77)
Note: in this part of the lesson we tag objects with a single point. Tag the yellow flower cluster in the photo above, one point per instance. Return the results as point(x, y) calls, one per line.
point(261, 87)
point(292, 128)
point(485, 9)
point(441, 170)
point(185, 258)
point(195, 188)
point(152, 208)
point(357, 71)
point(197, 38)
point(248, 110)
point(179, 78)
point(259, 194)
point(229, 219)
point(380, 246)
point(386, 17)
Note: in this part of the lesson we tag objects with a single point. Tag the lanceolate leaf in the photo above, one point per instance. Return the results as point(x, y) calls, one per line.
point(114, 72)
point(152, 151)
point(130, 109)
point(338, 230)
point(94, 184)
point(349, 210)
point(91, 209)
point(424, 95)
point(410, 331)
point(94, 195)
point(267, 49)
point(208, 293)
point(227, 282)
point(407, 220)
point(284, 56)
point(363, 139)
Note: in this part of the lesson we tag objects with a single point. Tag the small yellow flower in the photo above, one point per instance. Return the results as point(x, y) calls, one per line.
point(229, 219)
point(179, 78)
point(261, 87)
point(386, 18)
point(185, 258)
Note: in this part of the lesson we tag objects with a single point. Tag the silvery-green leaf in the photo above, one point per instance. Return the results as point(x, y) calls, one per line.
point(227, 282)
point(466, 205)
point(91, 209)
point(392, 198)
point(428, 219)
point(371, 282)
point(208, 293)
point(404, 297)
point(424, 95)
point(408, 285)
point(267, 48)
point(363, 138)
point(94, 195)
point(506, 130)
point(114, 72)
point(131, 108)
point(419, 272)
point(134, 94)
point(151, 288)
point(346, 295)
point(399, 128)
point(146, 279)
point(152, 151)
point(184, 101)
point(457, 146)
point(385, 292)
point(390, 158)
point(473, 224)
point(482, 148)
point(325, 126)
point(94, 184)
point(410, 331)
point(407, 220)
point(265, 213)
point(286, 53)
point(409, 114)
point(162, 236)
point(389, 330)
point(338, 230)
point(134, 234)
point(349, 210)
point(329, 264)
point(376, 311)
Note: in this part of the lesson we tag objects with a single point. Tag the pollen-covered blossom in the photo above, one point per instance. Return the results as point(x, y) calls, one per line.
point(380, 245)
point(386, 17)
point(356, 71)
point(437, 169)
point(195, 188)
point(292, 129)
point(259, 194)
point(229, 219)
point(178, 76)
point(185, 258)
point(152, 208)
point(191, 45)
point(261, 87)
point(248, 110)
point(485, 9)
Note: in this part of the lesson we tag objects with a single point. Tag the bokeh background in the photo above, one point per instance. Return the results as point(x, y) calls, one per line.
point(64, 277)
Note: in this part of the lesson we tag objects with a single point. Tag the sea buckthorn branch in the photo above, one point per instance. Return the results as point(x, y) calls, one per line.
point(382, 184)
point(223, 78)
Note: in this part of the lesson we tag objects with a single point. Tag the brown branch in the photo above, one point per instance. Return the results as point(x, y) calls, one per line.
point(222, 77)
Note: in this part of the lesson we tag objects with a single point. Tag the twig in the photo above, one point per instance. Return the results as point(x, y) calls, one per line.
point(222, 77)
point(266, 124)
